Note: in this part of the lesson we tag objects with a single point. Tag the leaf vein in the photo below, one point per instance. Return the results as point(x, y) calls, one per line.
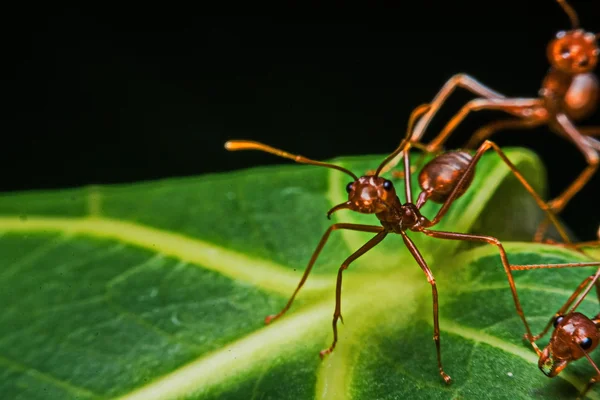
point(262, 273)
point(45, 377)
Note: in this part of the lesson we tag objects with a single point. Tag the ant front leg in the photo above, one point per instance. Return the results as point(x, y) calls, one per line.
point(419, 163)
point(587, 148)
point(337, 314)
point(436, 324)
point(334, 227)
point(518, 107)
point(507, 269)
point(593, 243)
point(460, 80)
point(504, 259)
point(393, 159)
point(586, 282)
point(470, 170)
point(592, 381)
point(591, 157)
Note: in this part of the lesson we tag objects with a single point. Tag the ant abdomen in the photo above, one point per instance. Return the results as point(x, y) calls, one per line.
point(440, 175)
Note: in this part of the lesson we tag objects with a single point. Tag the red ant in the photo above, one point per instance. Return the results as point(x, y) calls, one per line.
point(574, 335)
point(443, 180)
point(569, 93)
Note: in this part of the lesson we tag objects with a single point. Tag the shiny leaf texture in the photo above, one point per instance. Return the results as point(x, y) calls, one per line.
point(158, 291)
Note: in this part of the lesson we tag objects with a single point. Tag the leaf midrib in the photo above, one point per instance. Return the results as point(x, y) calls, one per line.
point(212, 257)
point(313, 317)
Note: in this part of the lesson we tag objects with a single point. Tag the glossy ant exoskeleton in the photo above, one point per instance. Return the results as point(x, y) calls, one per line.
point(443, 180)
point(569, 93)
point(574, 335)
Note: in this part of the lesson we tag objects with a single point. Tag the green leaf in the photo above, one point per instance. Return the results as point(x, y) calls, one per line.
point(158, 290)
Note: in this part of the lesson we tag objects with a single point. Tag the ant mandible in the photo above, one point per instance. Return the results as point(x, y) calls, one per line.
point(442, 180)
point(569, 93)
point(575, 335)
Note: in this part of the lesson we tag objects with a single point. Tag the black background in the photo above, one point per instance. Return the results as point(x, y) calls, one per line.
point(98, 96)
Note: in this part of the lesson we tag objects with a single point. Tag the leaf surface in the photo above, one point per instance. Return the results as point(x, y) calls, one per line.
point(158, 291)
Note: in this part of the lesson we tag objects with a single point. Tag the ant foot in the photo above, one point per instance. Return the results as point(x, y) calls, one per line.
point(323, 353)
point(446, 377)
point(270, 318)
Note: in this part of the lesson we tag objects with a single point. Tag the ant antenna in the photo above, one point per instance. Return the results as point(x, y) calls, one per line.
point(235, 145)
point(570, 12)
point(417, 112)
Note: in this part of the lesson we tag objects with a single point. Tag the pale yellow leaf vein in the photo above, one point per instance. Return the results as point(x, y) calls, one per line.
point(44, 377)
point(264, 345)
point(259, 272)
point(521, 352)
point(513, 248)
point(238, 357)
point(377, 298)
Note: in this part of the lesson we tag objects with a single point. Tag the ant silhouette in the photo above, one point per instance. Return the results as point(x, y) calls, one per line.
point(575, 335)
point(443, 180)
point(569, 93)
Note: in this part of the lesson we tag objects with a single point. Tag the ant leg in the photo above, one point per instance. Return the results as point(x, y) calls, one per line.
point(591, 243)
point(577, 246)
point(393, 159)
point(516, 107)
point(486, 131)
point(590, 130)
point(470, 170)
point(591, 157)
point(460, 80)
point(503, 257)
point(562, 310)
point(593, 142)
point(407, 182)
point(418, 164)
point(508, 268)
point(352, 227)
point(594, 282)
point(436, 325)
point(593, 380)
point(338, 289)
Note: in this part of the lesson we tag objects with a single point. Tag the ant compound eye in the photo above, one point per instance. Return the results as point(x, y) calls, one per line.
point(349, 187)
point(388, 185)
point(586, 343)
point(565, 52)
point(557, 320)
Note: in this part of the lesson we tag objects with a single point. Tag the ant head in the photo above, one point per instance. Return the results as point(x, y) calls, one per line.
point(368, 195)
point(574, 51)
point(574, 335)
